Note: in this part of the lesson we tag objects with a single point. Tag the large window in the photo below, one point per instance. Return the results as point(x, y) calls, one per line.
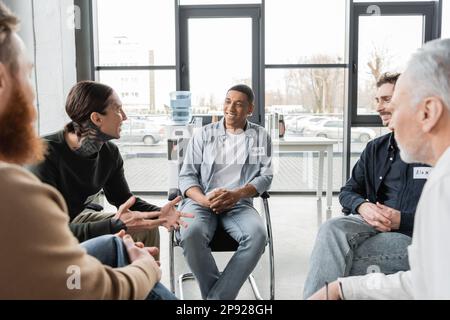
point(385, 45)
point(305, 32)
point(143, 92)
point(312, 104)
point(305, 82)
point(388, 1)
point(136, 56)
point(302, 62)
point(205, 2)
point(383, 36)
point(220, 50)
point(136, 32)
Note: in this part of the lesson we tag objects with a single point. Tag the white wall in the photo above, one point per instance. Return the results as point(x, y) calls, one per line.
point(54, 55)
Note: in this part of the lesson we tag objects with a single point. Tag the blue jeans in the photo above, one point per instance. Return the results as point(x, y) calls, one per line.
point(243, 224)
point(349, 246)
point(110, 250)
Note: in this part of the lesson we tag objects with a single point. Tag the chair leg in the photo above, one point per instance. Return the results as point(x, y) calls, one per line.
point(252, 281)
point(271, 253)
point(181, 278)
point(171, 262)
point(190, 276)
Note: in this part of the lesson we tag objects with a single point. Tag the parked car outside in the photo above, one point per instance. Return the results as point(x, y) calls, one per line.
point(305, 122)
point(144, 131)
point(334, 129)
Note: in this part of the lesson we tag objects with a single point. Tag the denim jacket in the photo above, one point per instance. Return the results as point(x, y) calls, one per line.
point(369, 173)
point(199, 161)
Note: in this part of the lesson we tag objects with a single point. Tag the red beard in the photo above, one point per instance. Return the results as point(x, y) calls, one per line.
point(19, 142)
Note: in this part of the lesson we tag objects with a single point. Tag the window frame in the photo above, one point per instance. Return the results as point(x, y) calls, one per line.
point(428, 9)
point(97, 67)
point(86, 40)
point(252, 11)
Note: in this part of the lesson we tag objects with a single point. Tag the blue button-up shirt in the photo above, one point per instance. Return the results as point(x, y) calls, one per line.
point(199, 162)
point(372, 174)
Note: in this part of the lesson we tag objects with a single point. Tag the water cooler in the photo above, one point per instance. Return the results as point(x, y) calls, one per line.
point(179, 131)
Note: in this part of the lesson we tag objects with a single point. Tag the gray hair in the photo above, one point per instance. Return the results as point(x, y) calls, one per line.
point(429, 71)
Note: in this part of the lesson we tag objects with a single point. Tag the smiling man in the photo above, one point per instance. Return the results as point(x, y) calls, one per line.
point(379, 202)
point(226, 164)
point(385, 90)
point(421, 121)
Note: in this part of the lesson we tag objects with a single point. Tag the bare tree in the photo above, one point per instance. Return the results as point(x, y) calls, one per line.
point(378, 63)
point(273, 98)
point(212, 104)
point(319, 89)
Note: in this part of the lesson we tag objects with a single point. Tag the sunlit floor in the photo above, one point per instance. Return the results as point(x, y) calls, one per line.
point(295, 220)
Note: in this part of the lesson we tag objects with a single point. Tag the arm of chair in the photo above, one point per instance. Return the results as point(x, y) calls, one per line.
point(265, 195)
point(173, 193)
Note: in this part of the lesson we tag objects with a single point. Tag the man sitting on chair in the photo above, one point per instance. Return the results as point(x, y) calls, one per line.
point(379, 201)
point(226, 164)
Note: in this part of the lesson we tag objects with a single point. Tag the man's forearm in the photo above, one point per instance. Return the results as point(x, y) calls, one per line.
point(247, 191)
point(351, 200)
point(196, 194)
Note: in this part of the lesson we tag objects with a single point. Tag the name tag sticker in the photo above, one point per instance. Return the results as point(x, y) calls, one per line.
point(258, 151)
point(421, 172)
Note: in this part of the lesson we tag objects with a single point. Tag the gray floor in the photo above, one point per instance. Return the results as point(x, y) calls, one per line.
point(294, 222)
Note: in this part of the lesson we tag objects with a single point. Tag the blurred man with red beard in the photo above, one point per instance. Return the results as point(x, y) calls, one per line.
point(19, 142)
point(41, 259)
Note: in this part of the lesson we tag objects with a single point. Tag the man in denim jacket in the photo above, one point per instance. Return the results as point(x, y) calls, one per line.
point(226, 164)
point(379, 201)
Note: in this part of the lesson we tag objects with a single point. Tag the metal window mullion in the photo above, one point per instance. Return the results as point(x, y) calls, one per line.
point(130, 68)
point(346, 152)
point(232, 10)
point(256, 71)
point(307, 66)
point(438, 21)
point(177, 45)
point(84, 41)
point(95, 40)
point(262, 57)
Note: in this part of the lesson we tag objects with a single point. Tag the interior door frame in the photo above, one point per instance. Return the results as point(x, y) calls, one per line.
point(252, 11)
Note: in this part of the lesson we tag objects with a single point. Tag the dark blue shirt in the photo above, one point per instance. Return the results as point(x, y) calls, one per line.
point(391, 184)
point(381, 176)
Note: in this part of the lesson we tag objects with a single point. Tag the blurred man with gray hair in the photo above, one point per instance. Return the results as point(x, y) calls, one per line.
point(421, 121)
point(379, 201)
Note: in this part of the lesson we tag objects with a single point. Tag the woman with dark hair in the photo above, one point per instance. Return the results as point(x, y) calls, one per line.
point(81, 161)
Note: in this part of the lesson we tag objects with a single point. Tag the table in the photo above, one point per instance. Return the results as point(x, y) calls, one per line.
point(315, 144)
